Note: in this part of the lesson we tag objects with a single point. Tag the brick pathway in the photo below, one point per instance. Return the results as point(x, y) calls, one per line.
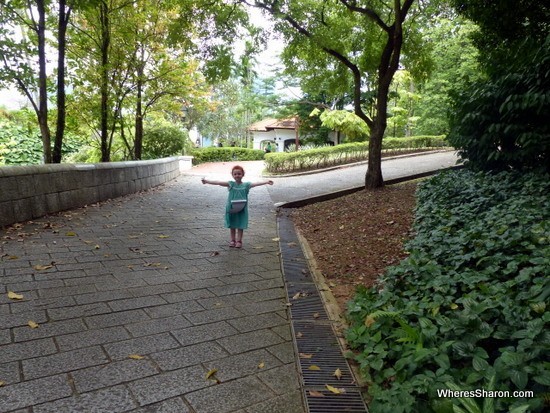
point(148, 275)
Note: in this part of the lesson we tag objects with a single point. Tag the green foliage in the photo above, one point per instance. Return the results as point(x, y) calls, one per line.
point(323, 157)
point(503, 123)
point(470, 299)
point(161, 141)
point(226, 154)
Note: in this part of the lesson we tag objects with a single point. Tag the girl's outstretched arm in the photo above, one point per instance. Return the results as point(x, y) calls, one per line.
point(220, 183)
point(270, 182)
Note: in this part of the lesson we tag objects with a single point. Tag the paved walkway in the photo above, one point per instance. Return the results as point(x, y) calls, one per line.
point(142, 307)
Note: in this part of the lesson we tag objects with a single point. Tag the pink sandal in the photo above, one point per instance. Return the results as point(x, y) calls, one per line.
point(238, 244)
point(232, 244)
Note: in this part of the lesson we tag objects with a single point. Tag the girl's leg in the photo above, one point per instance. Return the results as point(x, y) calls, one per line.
point(239, 238)
point(232, 232)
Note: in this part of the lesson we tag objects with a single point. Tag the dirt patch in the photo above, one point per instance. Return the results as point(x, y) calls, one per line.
point(356, 237)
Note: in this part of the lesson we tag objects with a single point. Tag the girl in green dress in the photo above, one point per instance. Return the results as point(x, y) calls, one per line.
point(236, 213)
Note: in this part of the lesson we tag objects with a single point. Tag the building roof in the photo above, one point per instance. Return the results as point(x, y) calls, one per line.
point(266, 125)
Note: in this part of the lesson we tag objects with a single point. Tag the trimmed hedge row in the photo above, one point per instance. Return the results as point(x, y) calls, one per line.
point(215, 154)
point(285, 162)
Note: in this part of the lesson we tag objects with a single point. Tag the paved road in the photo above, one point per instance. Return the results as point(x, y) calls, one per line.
point(137, 299)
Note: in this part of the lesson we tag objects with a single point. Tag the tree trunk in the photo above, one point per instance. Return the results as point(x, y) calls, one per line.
point(104, 86)
point(42, 113)
point(138, 141)
point(61, 95)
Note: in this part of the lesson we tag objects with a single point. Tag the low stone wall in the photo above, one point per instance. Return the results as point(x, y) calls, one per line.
point(28, 192)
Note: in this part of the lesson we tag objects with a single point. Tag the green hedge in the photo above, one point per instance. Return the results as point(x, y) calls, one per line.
point(284, 162)
point(215, 154)
point(467, 309)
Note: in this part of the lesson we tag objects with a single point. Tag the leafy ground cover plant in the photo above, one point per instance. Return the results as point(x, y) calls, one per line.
point(467, 308)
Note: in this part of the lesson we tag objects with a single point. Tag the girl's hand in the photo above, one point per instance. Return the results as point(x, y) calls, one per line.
point(270, 182)
point(203, 180)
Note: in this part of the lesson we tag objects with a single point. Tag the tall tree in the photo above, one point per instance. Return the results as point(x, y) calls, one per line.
point(23, 46)
point(365, 37)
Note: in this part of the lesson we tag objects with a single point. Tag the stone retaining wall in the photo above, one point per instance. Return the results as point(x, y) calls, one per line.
point(28, 192)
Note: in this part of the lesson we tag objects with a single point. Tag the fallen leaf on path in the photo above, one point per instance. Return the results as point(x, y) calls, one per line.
point(136, 357)
point(314, 367)
point(305, 356)
point(2, 383)
point(275, 239)
point(14, 296)
point(338, 374)
point(314, 393)
point(334, 389)
point(214, 253)
point(71, 234)
point(32, 324)
point(42, 267)
point(261, 365)
point(163, 236)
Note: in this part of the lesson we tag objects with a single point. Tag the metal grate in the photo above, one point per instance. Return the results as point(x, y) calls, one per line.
point(319, 352)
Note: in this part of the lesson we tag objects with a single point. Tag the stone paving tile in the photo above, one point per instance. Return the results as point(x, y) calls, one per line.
point(287, 403)
point(257, 322)
point(283, 351)
point(243, 365)
point(102, 296)
point(33, 392)
point(21, 319)
point(261, 307)
point(115, 399)
point(227, 397)
point(249, 341)
point(175, 405)
point(116, 372)
point(265, 295)
point(211, 316)
point(158, 325)
point(84, 310)
point(140, 346)
point(204, 332)
point(135, 303)
point(26, 349)
point(167, 310)
point(5, 336)
point(188, 356)
point(281, 379)
point(63, 362)
point(9, 373)
point(116, 319)
point(168, 385)
point(48, 329)
point(187, 295)
point(92, 338)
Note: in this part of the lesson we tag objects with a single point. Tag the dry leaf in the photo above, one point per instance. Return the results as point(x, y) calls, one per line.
point(136, 357)
point(71, 234)
point(13, 257)
point(296, 296)
point(369, 321)
point(14, 296)
point(96, 247)
point(214, 253)
point(163, 236)
point(305, 356)
point(42, 267)
point(275, 239)
point(32, 324)
point(2, 383)
point(211, 373)
point(261, 365)
point(314, 367)
point(314, 393)
point(338, 374)
point(299, 335)
point(334, 389)
point(291, 244)
point(315, 315)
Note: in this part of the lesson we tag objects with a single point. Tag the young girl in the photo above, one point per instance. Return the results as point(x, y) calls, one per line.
point(237, 222)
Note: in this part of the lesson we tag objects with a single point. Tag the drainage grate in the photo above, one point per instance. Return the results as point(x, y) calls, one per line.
point(351, 402)
point(320, 355)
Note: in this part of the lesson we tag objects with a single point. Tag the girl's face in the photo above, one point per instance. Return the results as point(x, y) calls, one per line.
point(237, 174)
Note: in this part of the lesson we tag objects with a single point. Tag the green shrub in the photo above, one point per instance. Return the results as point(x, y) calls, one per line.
point(503, 123)
point(215, 154)
point(161, 141)
point(467, 307)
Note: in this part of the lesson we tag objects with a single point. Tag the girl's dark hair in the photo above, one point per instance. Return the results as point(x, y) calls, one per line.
point(237, 167)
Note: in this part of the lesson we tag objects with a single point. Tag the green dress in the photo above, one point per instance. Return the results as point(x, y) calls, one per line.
point(238, 220)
